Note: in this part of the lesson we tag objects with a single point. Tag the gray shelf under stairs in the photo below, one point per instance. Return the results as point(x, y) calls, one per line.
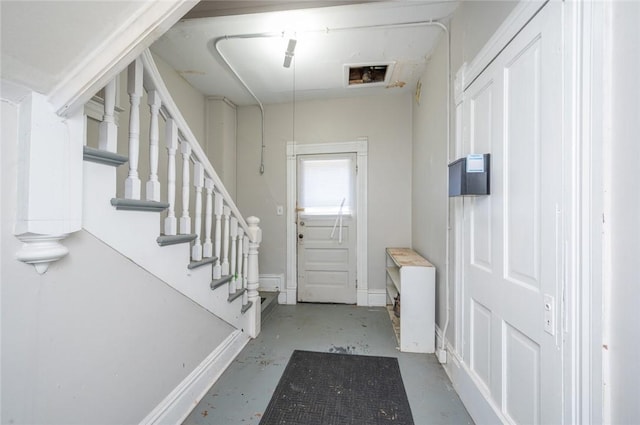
point(103, 157)
point(138, 205)
point(195, 264)
point(236, 295)
point(215, 284)
point(246, 307)
point(165, 240)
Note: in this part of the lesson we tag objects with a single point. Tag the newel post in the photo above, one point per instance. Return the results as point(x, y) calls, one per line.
point(253, 274)
point(49, 195)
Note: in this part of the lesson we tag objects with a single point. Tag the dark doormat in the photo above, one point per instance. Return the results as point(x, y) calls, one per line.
point(339, 389)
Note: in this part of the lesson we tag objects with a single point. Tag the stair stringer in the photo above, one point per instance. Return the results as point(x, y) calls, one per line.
point(134, 233)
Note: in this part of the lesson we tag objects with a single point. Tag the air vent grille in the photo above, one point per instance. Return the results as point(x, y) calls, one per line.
point(367, 75)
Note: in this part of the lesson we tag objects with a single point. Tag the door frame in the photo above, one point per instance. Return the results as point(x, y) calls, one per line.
point(360, 148)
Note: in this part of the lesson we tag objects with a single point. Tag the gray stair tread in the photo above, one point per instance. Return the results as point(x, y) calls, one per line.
point(236, 295)
point(195, 264)
point(103, 157)
point(246, 307)
point(219, 282)
point(164, 240)
point(138, 205)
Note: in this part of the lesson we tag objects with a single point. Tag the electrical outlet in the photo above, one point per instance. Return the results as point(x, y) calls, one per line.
point(549, 314)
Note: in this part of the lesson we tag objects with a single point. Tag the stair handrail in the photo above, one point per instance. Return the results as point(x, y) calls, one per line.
point(152, 75)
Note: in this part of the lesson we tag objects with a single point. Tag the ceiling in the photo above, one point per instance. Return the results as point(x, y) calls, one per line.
point(328, 38)
point(42, 40)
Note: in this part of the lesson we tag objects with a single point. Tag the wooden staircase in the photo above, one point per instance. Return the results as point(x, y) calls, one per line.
point(190, 253)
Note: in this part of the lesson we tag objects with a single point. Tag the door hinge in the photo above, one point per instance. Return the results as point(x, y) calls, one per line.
point(356, 169)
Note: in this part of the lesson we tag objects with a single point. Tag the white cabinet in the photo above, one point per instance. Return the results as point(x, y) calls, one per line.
point(413, 277)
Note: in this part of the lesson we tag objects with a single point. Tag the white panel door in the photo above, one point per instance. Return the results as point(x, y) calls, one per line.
point(326, 228)
point(512, 260)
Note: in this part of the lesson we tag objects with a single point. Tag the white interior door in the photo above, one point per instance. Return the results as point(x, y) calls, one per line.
point(512, 238)
point(326, 226)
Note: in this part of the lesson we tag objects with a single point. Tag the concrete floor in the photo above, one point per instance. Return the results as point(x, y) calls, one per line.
point(244, 390)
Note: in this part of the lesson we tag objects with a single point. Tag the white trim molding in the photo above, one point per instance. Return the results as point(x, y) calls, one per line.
point(521, 14)
point(360, 147)
point(375, 298)
point(175, 408)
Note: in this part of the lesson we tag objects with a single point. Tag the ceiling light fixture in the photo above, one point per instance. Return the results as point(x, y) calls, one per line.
point(288, 55)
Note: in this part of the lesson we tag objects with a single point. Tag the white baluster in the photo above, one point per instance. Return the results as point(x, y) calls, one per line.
point(226, 211)
point(234, 239)
point(255, 233)
point(153, 185)
point(239, 260)
point(207, 248)
point(218, 209)
point(171, 136)
point(245, 268)
point(198, 181)
point(132, 183)
point(108, 131)
point(185, 220)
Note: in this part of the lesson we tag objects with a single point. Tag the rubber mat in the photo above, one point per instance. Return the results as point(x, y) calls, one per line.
point(339, 389)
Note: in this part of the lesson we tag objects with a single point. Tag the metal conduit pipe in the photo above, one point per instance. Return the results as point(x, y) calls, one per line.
point(216, 42)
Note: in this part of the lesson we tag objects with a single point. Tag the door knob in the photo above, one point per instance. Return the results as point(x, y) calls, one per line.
point(300, 236)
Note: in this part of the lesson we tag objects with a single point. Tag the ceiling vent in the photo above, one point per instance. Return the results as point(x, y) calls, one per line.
point(368, 75)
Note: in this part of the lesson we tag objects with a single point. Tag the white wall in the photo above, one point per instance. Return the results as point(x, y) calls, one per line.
point(220, 142)
point(95, 339)
point(471, 26)
point(384, 120)
point(189, 100)
point(622, 214)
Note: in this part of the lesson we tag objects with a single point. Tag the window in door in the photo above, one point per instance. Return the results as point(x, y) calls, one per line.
point(326, 184)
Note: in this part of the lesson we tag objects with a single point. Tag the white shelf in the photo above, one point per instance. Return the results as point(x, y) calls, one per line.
point(394, 275)
point(413, 277)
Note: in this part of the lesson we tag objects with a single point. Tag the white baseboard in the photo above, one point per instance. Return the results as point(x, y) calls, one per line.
point(367, 298)
point(183, 399)
point(282, 297)
point(377, 297)
point(271, 282)
point(362, 297)
point(287, 296)
point(477, 401)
